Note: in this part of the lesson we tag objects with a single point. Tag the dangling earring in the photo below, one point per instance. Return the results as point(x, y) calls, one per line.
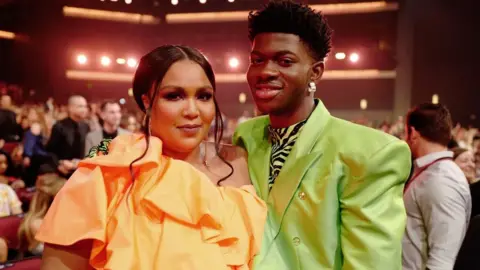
point(312, 87)
point(205, 154)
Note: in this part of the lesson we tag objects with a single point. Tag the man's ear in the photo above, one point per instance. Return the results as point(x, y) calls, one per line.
point(317, 71)
point(414, 134)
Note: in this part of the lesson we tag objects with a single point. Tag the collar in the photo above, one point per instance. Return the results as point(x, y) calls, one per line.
point(425, 160)
point(278, 134)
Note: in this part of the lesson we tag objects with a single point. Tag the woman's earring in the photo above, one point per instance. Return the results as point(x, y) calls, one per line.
point(312, 87)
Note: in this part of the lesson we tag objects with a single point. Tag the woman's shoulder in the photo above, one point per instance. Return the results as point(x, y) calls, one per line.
point(228, 151)
point(236, 157)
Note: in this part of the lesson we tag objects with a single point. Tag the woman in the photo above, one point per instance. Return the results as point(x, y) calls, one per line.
point(7, 172)
point(34, 152)
point(47, 186)
point(466, 161)
point(129, 122)
point(158, 200)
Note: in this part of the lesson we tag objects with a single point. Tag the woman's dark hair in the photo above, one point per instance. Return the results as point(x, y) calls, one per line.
point(150, 72)
point(10, 169)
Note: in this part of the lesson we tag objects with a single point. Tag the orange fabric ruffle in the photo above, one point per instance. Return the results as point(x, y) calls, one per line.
point(172, 217)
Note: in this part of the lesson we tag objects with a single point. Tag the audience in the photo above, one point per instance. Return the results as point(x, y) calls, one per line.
point(47, 186)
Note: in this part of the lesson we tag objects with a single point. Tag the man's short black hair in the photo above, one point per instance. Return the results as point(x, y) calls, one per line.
point(104, 104)
point(432, 121)
point(286, 16)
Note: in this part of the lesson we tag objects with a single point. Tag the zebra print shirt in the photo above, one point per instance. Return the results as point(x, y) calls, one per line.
point(283, 140)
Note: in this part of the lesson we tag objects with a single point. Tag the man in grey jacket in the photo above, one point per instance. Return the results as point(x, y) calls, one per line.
point(437, 197)
point(111, 114)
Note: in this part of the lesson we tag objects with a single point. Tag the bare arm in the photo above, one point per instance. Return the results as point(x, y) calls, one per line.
point(71, 257)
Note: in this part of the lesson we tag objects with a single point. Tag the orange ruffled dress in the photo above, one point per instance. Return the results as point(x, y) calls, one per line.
point(173, 217)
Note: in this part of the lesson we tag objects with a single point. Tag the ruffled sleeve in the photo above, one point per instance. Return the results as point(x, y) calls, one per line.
point(171, 201)
point(82, 207)
point(79, 210)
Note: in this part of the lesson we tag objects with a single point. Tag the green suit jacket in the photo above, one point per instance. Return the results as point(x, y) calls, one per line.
point(338, 200)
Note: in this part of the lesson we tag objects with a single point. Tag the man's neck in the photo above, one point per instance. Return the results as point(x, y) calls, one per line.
point(74, 119)
point(109, 128)
point(430, 148)
point(292, 117)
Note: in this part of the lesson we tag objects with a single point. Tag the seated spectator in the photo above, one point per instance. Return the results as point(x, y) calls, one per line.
point(129, 122)
point(465, 160)
point(8, 122)
point(67, 141)
point(3, 250)
point(47, 186)
point(9, 202)
point(34, 153)
point(6, 174)
point(110, 114)
point(16, 167)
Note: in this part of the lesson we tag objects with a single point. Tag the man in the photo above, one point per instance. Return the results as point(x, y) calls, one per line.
point(111, 114)
point(67, 141)
point(333, 188)
point(437, 197)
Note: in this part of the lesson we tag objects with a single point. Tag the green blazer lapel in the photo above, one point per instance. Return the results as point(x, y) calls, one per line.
point(259, 165)
point(299, 161)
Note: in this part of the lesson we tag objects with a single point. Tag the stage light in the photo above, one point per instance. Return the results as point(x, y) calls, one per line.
point(363, 104)
point(340, 55)
point(174, 2)
point(354, 57)
point(242, 98)
point(231, 1)
point(203, 1)
point(122, 101)
point(121, 61)
point(82, 59)
point(114, 16)
point(233, 62)
point(131, 62)
point(435, 99)
point(128, 2)
point(105, 61)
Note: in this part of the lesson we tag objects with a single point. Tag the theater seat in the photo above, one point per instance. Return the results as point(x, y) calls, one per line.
point(26, 264)
point(9, 146)
point(9, 228)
